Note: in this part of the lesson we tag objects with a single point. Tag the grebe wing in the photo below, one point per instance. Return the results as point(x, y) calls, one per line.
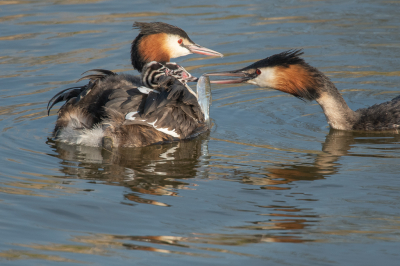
point(173, 109)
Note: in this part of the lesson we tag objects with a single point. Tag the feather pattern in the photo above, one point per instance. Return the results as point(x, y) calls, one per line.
point(168, 111)
point(376, 117)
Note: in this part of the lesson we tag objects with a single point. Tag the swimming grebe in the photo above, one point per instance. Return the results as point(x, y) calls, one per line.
point(132, 111)
point(289, 73)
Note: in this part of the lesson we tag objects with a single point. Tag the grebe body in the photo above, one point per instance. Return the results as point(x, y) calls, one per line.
point(121, 110)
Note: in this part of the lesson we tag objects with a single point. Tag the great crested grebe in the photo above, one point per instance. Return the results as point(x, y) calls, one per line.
point(289, 73)
point(132, 111)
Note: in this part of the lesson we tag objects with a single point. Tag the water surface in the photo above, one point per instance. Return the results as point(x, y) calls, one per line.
point(270, 184)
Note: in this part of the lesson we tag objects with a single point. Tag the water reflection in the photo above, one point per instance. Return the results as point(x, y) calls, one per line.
point(274, 185)
point(20, 254)
point(104, 244)
point(149, 170)
point(292, 216)
point(154, 170)
point(337, 144)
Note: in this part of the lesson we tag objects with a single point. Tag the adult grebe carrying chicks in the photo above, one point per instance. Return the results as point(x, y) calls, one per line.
point(132, 111)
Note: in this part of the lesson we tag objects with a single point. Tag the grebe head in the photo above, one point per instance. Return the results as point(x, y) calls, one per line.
point(286, 72)
point(152, 71)
point(158, 41)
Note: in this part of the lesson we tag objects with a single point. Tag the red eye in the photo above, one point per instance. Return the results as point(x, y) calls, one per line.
point(180, 41)
point(258, 72)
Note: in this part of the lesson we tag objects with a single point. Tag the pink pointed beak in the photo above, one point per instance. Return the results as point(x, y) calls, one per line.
point(197, 49)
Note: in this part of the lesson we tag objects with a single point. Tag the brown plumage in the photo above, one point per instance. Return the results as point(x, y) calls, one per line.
point(151, 51)
point(131, 111)
point(158, 41)
point(294, 79)
point(125, 135)
point(289, 73)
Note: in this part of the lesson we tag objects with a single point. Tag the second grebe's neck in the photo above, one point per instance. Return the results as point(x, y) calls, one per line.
point(337, 112)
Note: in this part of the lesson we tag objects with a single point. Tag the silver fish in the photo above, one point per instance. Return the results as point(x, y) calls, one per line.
point(204, 96)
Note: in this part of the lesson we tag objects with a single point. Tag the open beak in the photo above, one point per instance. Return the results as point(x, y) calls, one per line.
point(197, 49)
point(242, 77)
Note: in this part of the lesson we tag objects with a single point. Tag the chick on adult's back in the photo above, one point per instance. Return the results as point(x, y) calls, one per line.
point(131, 111)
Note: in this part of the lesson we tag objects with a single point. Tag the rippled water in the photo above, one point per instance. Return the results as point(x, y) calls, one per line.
point(270, 184)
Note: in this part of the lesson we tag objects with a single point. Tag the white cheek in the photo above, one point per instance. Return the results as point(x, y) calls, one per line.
point(252, 81)
point(266, 79)
point(176, 50)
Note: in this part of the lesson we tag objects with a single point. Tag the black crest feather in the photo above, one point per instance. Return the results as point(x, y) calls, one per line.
point(285, 59)
point(149, 28)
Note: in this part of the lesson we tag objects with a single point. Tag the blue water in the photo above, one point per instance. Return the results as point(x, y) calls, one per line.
point(270, 184)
